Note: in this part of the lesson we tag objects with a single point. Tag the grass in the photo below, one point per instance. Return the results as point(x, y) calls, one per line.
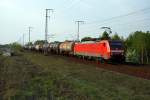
point(35, 76)
point(91, 82)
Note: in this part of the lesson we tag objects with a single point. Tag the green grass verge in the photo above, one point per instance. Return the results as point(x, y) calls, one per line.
point(89, 82)
point(33, 76)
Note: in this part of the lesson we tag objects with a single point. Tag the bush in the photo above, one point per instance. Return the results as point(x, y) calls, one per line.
point(132, 56)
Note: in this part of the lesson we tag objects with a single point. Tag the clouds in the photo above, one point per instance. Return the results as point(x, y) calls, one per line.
point(17, 15)
point(7, 4)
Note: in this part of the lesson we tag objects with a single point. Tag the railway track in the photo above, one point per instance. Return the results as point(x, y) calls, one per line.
point(137, 70)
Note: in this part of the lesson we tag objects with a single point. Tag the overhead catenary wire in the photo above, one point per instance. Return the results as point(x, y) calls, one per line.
point(115, 24)
point(110, 21)
point(126, 29)
point(121, 16)
point(112, 25)
point(105, 21)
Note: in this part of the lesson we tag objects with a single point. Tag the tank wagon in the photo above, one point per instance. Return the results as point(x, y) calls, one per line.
point(105, 49)
point(54, 47)
point(50, 47)
point(40, 47)
point(37, 47)
point(25, 47)
point(67, 48)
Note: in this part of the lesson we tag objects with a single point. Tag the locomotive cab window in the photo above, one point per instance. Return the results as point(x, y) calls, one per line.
point(116, 45)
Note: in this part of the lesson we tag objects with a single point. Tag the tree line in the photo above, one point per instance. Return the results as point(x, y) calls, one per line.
point(138, 46)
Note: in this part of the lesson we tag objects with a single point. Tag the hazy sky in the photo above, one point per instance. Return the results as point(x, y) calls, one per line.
point(17, 15)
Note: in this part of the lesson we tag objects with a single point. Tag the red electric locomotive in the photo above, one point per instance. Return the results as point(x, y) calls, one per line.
point(104, 49)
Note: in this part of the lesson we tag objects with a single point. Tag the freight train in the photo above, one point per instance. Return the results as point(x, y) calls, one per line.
point(101, 50)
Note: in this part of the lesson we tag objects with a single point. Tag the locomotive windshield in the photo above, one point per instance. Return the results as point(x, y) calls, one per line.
point(116, 45)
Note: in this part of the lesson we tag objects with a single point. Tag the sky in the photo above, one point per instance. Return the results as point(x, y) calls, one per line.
point(17, 15)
